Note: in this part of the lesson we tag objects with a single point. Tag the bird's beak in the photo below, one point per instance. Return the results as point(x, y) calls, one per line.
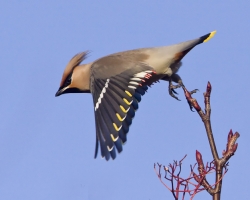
point(60, 91)
point(69, 89)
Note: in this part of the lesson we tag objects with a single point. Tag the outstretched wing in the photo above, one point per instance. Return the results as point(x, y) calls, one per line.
point(117, 84)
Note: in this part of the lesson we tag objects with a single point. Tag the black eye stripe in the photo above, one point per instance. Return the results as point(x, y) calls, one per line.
point(67, 80)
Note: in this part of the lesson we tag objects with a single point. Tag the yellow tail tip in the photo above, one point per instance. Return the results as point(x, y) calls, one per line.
point(210, 36)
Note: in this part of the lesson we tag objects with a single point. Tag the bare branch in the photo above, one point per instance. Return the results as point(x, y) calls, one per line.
point(186, 185)
point(219, 163)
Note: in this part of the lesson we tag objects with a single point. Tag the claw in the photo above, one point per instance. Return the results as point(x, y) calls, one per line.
point(193, 91)
point(190, 106)
point(172, 95)
point(174, 91)
point(171, 90)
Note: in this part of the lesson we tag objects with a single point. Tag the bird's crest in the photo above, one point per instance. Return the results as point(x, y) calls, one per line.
point(75, 61)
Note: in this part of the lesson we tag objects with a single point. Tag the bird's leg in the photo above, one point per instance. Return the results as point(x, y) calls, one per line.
point(176, 78)
point(171, 88)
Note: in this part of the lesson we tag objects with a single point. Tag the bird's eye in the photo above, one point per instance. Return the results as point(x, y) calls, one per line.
point(67, 81)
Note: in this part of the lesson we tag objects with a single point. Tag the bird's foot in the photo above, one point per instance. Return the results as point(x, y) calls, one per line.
point(193, 91)
point(171, 90)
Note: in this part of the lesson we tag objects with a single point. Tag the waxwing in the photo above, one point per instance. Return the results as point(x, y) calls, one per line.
point(118, 81)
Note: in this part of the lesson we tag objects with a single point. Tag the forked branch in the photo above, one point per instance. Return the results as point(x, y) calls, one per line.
point(187, 185)
point(220, 163)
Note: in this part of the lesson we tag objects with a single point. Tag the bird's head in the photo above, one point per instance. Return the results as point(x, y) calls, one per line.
point(75, 77)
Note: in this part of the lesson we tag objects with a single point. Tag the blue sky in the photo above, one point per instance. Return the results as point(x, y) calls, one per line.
point(47, 143)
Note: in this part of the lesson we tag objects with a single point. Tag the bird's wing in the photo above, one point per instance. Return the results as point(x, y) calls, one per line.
point(117, 84)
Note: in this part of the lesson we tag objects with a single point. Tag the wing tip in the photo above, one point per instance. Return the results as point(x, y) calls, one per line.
point(96, 147)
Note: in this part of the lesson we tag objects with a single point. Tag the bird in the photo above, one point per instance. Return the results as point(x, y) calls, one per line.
point(118, 81)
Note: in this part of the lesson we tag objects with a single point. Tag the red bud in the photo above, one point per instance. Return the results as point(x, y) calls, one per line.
point(230, 135)
point(209, 87)
point(199, 157)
